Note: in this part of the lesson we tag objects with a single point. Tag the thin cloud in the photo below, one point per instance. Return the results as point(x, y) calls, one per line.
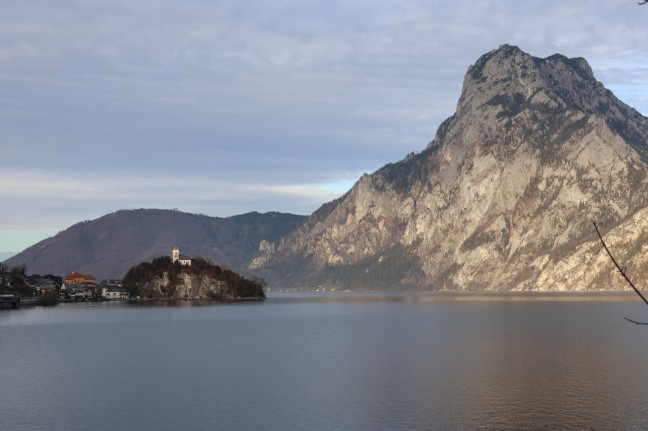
point(35, 192)
point(245, 102)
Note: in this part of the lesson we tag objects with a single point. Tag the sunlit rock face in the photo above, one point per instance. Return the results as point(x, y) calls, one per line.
point(185, 286)
point(503, 198)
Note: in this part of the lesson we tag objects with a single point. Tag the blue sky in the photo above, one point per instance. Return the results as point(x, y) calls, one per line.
point(224, 107)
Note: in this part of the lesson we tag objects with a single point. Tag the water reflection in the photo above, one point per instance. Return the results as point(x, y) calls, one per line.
point(329, 361)
point(303, 297)
point(178, 303)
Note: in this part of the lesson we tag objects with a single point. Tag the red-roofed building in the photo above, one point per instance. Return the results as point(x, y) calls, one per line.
point(80, 279)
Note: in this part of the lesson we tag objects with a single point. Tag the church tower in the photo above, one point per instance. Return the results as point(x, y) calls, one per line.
point(177, 257)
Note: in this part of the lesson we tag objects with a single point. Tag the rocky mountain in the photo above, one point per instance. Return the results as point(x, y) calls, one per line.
point(503, 198)
point(108, 246)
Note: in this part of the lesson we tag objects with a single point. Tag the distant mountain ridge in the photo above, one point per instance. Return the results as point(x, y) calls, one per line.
point(7, 254)
point(108, 246)
point(503, 198)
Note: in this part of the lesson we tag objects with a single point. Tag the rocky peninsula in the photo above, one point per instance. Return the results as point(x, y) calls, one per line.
point(164, 278)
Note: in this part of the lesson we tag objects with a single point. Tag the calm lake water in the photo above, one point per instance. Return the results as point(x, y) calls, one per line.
point(329, 362)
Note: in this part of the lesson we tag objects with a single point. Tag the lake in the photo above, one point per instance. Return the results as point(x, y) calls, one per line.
point(329, 362)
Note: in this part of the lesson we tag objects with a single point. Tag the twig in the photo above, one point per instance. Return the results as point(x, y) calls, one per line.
point(635, 322)
point(618, 267)
point(622, 271)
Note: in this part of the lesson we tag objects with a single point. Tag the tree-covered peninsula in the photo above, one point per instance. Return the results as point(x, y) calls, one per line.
point(162, 278)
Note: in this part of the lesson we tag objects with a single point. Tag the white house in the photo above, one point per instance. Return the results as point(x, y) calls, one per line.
point(177, 257)
point(114, 293)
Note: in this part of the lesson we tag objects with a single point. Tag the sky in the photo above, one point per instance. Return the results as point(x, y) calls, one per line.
point(222, 107)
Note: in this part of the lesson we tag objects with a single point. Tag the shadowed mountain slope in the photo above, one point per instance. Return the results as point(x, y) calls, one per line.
point(108, 246)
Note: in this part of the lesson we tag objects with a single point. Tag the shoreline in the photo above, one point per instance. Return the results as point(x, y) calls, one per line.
point(36, 302)
point(371, 296)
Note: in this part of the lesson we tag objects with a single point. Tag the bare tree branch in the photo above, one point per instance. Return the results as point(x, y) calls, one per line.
point(635, 322)
point(622, 270)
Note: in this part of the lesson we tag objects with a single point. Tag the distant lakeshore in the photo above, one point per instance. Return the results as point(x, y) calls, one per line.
point(364, 296)
point(36, 301)
point(458, 295)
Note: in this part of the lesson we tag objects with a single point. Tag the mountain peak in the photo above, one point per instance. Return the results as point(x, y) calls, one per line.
point(507, 84)
point(509, 70)
point(509, 61)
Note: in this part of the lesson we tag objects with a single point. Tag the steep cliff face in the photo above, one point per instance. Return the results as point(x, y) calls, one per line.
point(186, 286)
point(502, 199)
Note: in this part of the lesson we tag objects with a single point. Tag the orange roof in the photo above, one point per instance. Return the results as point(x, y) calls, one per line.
point(79, 278)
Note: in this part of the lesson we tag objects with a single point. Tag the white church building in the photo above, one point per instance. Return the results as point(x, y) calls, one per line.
point(176, 256)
